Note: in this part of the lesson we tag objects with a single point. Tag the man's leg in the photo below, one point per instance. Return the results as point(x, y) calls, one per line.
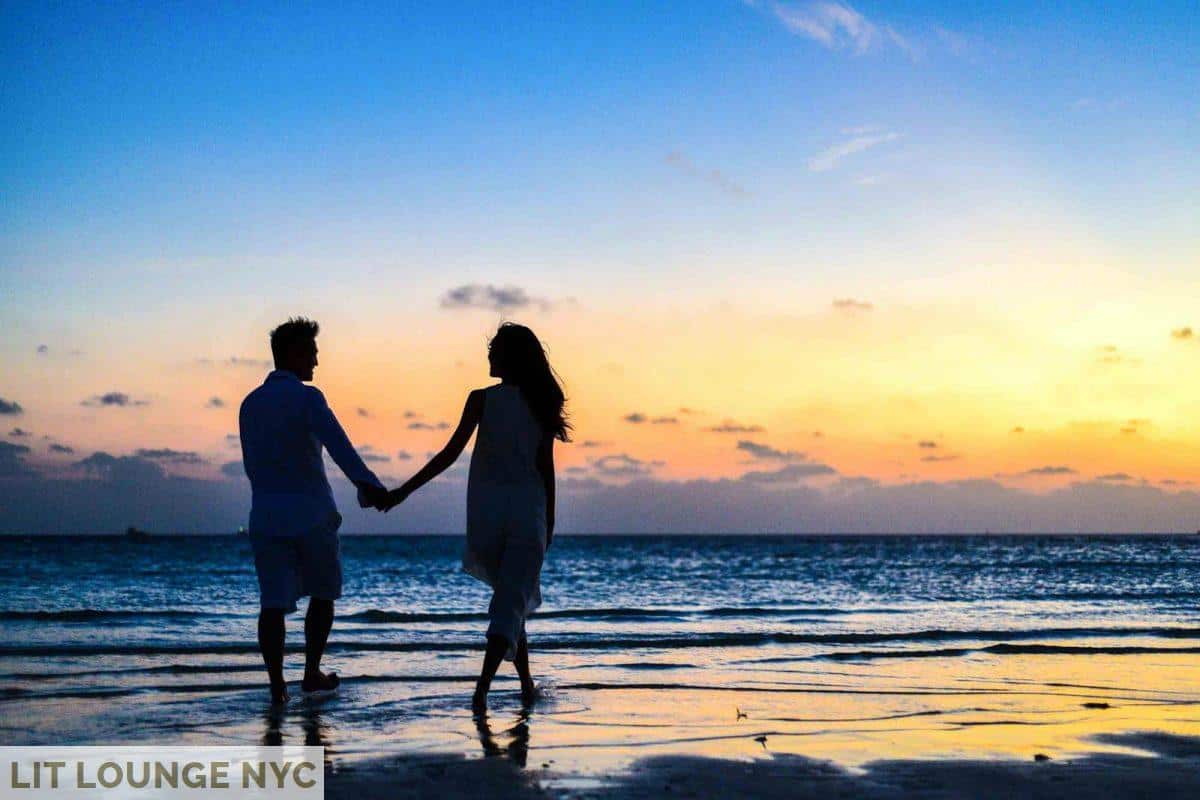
point(271, 634)
point(317, 624)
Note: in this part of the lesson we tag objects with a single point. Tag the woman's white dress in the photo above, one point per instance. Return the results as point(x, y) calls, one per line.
point(506, 510)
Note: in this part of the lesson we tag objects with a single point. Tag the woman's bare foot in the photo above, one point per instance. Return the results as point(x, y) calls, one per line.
point(321, 682)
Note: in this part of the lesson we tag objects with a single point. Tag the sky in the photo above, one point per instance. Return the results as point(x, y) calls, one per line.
point(810, 267)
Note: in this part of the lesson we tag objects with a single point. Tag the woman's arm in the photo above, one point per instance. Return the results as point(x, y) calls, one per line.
point(472, 411)
point(545, 465)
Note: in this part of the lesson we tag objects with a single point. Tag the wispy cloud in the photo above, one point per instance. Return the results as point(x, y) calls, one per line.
point(1183, 334)
point(113, 399)
point(19, 433)
point(767, 453)
point(828, 159)
point(237, 361)
point(10, 408)
point(792, 473)
point(927, 444)
point(623, 465)
point(729, 426)
point(838, 26)
point(166, 454)
point(492, 298)
point(938, 459)
point(61, 448)
point(851, 305)
point(215, 402)
point(427, 426)
point(713, 177)
point(362, 412)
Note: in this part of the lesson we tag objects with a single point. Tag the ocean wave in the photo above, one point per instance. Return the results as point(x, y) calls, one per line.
point(1000, 639)
point(377, 616)
point(98, 614)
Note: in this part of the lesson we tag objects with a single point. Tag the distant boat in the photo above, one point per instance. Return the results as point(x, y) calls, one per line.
point(135, 535)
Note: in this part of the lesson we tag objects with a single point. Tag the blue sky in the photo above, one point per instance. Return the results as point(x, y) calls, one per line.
point(1004, 190)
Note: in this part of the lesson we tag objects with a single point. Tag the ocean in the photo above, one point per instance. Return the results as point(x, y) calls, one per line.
point(108, 639)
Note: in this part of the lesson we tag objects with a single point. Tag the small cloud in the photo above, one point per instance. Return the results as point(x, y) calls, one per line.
point(411, 415)
point(829, 158)
point(792, 473)
point(1183, 334)
point(42, 350)
point(1115, 476)
point(1110, 354)
point(1129, 430)
point(927, 444)
point(623, 466)
point(170, 456)
point(215, 402)
point(19, 433)
point(712, 177)
point(590, 443)
point(61, 448)
point(850, 304)
point(729, 426)
point(576, 470)
point(10, 408)
point(404, 455)
point(362, 412)
point(121, 468)
point(765, 452)
point(114, 399)
point(936, 459)
point(233, 440)
point(375, 458)
point(818, 435)
point(689, 411)
point(856, 482)
point(426, 426)
point(233, 469)
point(12, 460)
point(837, 26)
point(665, 421)
point(492, 298)
point(1050, 470)
point(635, 418)
point(1017, 429)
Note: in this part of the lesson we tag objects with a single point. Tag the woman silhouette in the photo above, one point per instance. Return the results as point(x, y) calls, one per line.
point(510, 492)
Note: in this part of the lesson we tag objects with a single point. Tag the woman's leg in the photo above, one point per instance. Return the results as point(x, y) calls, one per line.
point(521, 662)
point(497, 646)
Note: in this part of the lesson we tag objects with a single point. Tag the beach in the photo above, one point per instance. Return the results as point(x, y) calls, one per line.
point(857, 666)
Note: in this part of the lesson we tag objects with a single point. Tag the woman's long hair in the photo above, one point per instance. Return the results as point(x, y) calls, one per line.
point(518, 358)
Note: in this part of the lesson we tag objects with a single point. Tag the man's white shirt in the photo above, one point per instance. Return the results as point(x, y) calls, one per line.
point(284, 424)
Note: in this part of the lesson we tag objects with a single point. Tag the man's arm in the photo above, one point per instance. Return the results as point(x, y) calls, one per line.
point(330, 433)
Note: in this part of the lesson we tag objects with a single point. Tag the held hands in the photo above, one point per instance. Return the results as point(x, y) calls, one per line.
point(394, 498)
point(370, 495)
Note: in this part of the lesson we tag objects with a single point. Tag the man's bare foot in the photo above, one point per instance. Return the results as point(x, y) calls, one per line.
point(279, 695)
point(529, 693)
point(479, 700)
point(321, 682)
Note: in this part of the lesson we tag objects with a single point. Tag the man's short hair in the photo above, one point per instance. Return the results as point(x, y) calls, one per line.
point(290, 335)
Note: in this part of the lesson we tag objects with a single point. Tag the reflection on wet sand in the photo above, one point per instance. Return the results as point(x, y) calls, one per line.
point(517, 748)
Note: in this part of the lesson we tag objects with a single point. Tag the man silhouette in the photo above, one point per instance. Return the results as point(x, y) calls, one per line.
point(293, 519)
